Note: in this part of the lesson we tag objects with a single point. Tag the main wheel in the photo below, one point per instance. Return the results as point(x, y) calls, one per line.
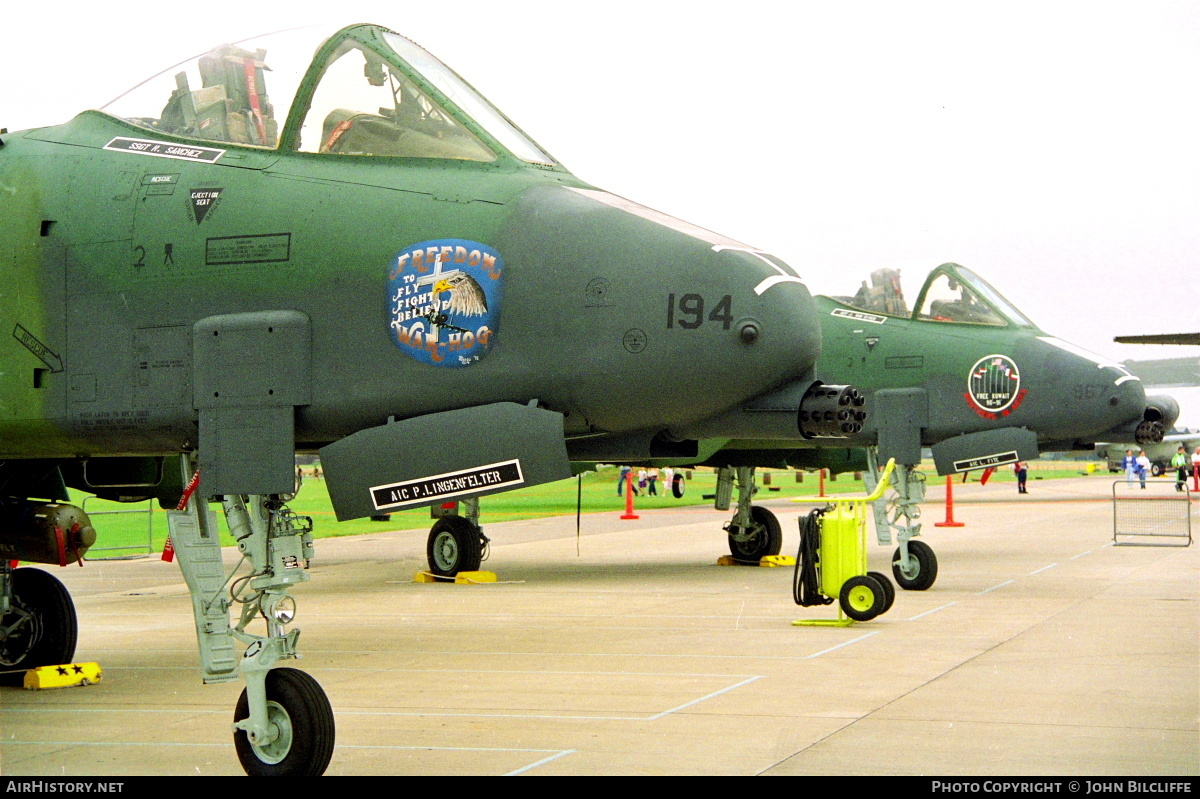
point(889, 590)
point(43, 627)
point(677, 486)
point(455, 545)
point(862, 598)
point(766, 537)
point(921, 569)
point(1156, 470)
point(300, 715)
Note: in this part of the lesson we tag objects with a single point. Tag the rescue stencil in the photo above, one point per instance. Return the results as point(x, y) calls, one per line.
point(444, 300)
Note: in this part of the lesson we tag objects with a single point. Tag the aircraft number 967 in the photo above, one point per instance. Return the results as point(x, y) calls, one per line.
point(688, 311)
point(1088, 392)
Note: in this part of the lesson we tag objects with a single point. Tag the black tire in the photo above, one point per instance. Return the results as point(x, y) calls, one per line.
point(1156, 470)
point(455, 545)
point(298, 706)
point(382, 517)
point(768, 539)
point(927, 567)
point(889, 590)
point(49, 638)
point(862, 598)
point(678, 485)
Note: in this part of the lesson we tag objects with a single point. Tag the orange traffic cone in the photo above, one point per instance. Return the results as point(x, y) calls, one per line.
point(949, 507)
point(629, 514)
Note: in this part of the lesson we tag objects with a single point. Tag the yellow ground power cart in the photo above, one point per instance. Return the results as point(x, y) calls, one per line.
point(832, 561)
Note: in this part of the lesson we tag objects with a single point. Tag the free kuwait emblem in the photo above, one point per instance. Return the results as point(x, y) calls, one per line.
point(994, 386)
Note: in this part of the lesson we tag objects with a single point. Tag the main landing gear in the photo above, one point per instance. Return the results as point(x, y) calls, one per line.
point(457, 543)
point(38, 625)
point(754, 532)
point(283, 723)
point(913, 563)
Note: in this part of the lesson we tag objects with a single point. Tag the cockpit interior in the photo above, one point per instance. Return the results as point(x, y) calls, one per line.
point(367, 92)
point(950, 294)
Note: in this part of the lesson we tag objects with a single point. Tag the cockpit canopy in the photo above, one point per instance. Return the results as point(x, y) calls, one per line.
point(951, 293)
point(366, 92)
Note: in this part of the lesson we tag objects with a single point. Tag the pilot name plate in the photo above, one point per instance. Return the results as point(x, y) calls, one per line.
point(444, 486)
point(999, 459)
point(858, 316)
point(165, 149)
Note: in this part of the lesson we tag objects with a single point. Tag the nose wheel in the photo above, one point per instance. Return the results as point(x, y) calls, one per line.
point(298, 741)
point(919, 570)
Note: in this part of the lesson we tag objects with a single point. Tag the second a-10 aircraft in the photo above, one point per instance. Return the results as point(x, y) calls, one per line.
point(960, 371)
point(301, 245)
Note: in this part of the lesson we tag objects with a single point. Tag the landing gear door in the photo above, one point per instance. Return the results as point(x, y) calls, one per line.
point(444, 457)
point(987, 448)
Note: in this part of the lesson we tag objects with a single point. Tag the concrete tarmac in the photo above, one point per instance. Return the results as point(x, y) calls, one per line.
point(1042, 649)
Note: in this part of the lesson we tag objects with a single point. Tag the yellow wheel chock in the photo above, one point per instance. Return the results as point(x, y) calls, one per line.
point(462, 578)
point(67, 675)
point(769, 561)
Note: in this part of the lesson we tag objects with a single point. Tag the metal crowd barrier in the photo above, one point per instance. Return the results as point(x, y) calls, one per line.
point(146, 550)
point(1158, 515)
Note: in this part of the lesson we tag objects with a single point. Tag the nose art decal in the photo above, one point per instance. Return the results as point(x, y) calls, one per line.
point(444, 301)
point(994, 387)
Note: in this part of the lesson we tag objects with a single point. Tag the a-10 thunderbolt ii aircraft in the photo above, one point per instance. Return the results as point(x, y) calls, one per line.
point(263, 251)
point(961, 371)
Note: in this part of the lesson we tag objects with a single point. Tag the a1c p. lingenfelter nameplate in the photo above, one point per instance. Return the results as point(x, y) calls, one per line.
point(445, 486)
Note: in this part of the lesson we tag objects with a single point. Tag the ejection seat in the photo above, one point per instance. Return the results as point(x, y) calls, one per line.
point(232, 105)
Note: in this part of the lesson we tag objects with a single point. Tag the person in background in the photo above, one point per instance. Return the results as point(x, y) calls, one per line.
point(622, 479)
point(1021, 468)
point(1196, 463)
point(652, 481)
point(1179, 462)
point(1143, 464)
point(1131, 467)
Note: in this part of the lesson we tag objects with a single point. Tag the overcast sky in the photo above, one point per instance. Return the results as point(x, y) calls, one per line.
point(1054, 148)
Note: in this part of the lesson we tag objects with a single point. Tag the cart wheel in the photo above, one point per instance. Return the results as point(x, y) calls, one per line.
point(889, 590)
point(922, 567)
point(862, 598)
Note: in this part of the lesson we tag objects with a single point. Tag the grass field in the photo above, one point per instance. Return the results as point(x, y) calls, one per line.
point(125, 529)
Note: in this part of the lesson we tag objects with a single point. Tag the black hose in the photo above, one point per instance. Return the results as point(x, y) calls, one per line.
point(806, 588)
